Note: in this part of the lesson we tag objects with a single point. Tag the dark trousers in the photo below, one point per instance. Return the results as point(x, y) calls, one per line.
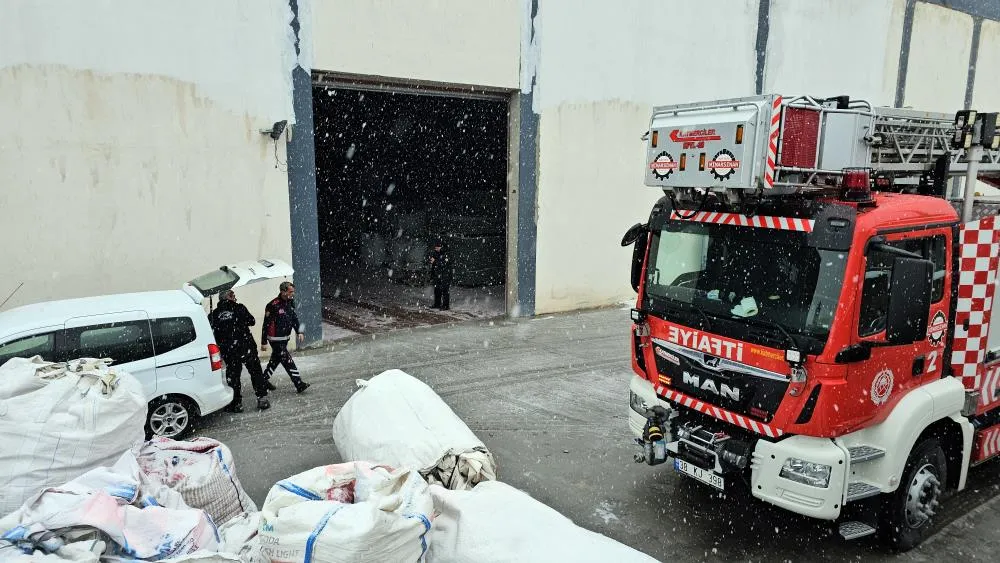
point(235, 360)
point(441, 294)
point(281, 355)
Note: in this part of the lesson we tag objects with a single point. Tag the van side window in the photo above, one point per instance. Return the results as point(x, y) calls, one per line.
point(171, 333)
point(123, 342)
point(878, 278)
point(43, 345)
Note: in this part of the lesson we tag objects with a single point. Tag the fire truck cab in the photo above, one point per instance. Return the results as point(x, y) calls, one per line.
point(813, 311)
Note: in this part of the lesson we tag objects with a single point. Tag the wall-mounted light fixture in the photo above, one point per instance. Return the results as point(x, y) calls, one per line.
point(276, 130)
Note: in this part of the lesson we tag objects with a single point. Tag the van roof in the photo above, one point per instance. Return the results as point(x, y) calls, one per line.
point(55, 313)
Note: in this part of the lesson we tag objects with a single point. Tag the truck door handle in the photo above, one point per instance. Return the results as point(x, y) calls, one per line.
point(918, 365)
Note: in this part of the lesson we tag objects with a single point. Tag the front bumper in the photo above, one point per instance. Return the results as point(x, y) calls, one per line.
point(766, 461)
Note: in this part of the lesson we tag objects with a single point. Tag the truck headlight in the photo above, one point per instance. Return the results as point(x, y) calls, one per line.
point(806, 472)
point(637, 403)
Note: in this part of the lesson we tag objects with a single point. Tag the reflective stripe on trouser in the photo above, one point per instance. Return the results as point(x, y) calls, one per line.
point(281, 355)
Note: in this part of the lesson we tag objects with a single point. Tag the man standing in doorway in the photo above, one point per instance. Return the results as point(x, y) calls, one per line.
point(231, 322)
point(279, 322)
point(441, 271)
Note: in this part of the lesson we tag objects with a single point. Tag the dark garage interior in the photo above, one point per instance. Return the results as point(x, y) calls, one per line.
point(396, 171)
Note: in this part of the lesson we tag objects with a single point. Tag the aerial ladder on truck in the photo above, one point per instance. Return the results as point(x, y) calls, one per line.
point(814, 306)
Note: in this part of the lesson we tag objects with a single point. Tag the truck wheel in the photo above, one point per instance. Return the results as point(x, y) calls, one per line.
point(908, 512)
point(170, 417)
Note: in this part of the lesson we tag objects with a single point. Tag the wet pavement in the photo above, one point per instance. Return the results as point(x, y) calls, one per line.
point(549, 397)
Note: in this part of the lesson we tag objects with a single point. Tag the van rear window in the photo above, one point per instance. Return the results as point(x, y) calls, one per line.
point(170, 333)
point(215, 281)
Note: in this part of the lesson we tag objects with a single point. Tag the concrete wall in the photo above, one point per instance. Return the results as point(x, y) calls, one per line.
point(825, 48)
point(986, 95)
point(601, 68)
point(939, 59)
point(131, 158)
point(452, 41)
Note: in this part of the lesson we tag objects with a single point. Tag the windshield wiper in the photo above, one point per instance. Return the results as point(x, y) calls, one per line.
point(691, 307)
point(772, 324)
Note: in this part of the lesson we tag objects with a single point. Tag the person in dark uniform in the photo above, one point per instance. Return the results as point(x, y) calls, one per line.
point(279, 322)
point(231, 322)
point(441, 273)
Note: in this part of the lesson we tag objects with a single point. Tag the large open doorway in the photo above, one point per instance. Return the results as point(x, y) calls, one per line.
point(396, 171)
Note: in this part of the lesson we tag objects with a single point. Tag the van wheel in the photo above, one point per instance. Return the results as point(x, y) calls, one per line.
point(170, 417)
point(909, 511)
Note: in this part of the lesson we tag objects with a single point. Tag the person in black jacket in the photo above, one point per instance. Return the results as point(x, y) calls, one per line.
point(279, 322)
point(441, 273)
point(231, 322)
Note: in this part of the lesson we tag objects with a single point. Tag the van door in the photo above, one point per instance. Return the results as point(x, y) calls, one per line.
point(124, 337)
point(179, 354)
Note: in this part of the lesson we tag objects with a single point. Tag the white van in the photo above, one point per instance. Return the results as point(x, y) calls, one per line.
point(162, 337)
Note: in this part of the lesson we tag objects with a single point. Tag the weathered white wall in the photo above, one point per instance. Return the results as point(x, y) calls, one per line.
point(826, 48)
point(602, 67)
point(986, 93)
point(938, 69)
point(453, 41)
point(132, 159)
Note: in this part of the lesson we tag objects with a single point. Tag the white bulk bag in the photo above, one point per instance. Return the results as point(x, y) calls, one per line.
point(354, 512)
point(108, 504)
point(240, 537)
point(496, 522)
point(59, 420)
point(396, 419)
point(202, 470)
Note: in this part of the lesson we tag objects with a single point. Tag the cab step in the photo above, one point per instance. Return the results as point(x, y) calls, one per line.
point(854, 530)
point(864, 453)
point(859, 490)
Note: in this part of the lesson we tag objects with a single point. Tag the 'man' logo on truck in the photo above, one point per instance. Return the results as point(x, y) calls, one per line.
point(706, 384)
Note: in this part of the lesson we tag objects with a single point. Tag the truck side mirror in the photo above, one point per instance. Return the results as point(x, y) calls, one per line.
point(909, 300)
point(637, 235)
point(633, 234)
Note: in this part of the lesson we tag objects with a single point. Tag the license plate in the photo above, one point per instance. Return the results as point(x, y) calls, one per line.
point(707, 477)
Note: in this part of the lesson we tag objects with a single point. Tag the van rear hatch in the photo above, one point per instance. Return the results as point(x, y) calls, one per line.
point(236, 275)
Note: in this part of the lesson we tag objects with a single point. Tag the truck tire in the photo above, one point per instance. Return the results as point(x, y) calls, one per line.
point(907, 513)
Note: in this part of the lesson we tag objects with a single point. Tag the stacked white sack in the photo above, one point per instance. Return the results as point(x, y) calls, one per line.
point(496, 522)
point(202, 470)
point(396, 419)
point(349, 512)
point(109, 505)
point(57, 421)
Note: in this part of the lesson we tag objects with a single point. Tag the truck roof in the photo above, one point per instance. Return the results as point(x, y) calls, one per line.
point(903, 210)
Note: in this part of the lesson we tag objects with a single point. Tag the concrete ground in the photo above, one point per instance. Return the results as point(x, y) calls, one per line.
point(549, 397)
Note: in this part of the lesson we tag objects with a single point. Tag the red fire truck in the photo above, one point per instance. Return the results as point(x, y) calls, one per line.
point(813, 311)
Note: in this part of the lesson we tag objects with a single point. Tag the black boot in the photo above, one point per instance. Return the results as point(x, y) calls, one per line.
point(270, 386)
point(235, 406)
point(263, 404)
point(301, 386)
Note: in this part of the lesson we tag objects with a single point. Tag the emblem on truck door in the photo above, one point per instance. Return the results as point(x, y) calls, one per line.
point(882, 386)
point(936, 330)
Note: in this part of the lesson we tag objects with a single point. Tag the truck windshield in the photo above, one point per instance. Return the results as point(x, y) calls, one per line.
point(749, 278)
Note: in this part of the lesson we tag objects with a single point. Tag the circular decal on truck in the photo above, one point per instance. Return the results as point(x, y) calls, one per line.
point(937, 328)
point(723, 165)
point(663, 165)
point(882, 386)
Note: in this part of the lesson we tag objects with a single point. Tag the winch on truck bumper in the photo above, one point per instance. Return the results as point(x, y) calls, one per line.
point(799, 473)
